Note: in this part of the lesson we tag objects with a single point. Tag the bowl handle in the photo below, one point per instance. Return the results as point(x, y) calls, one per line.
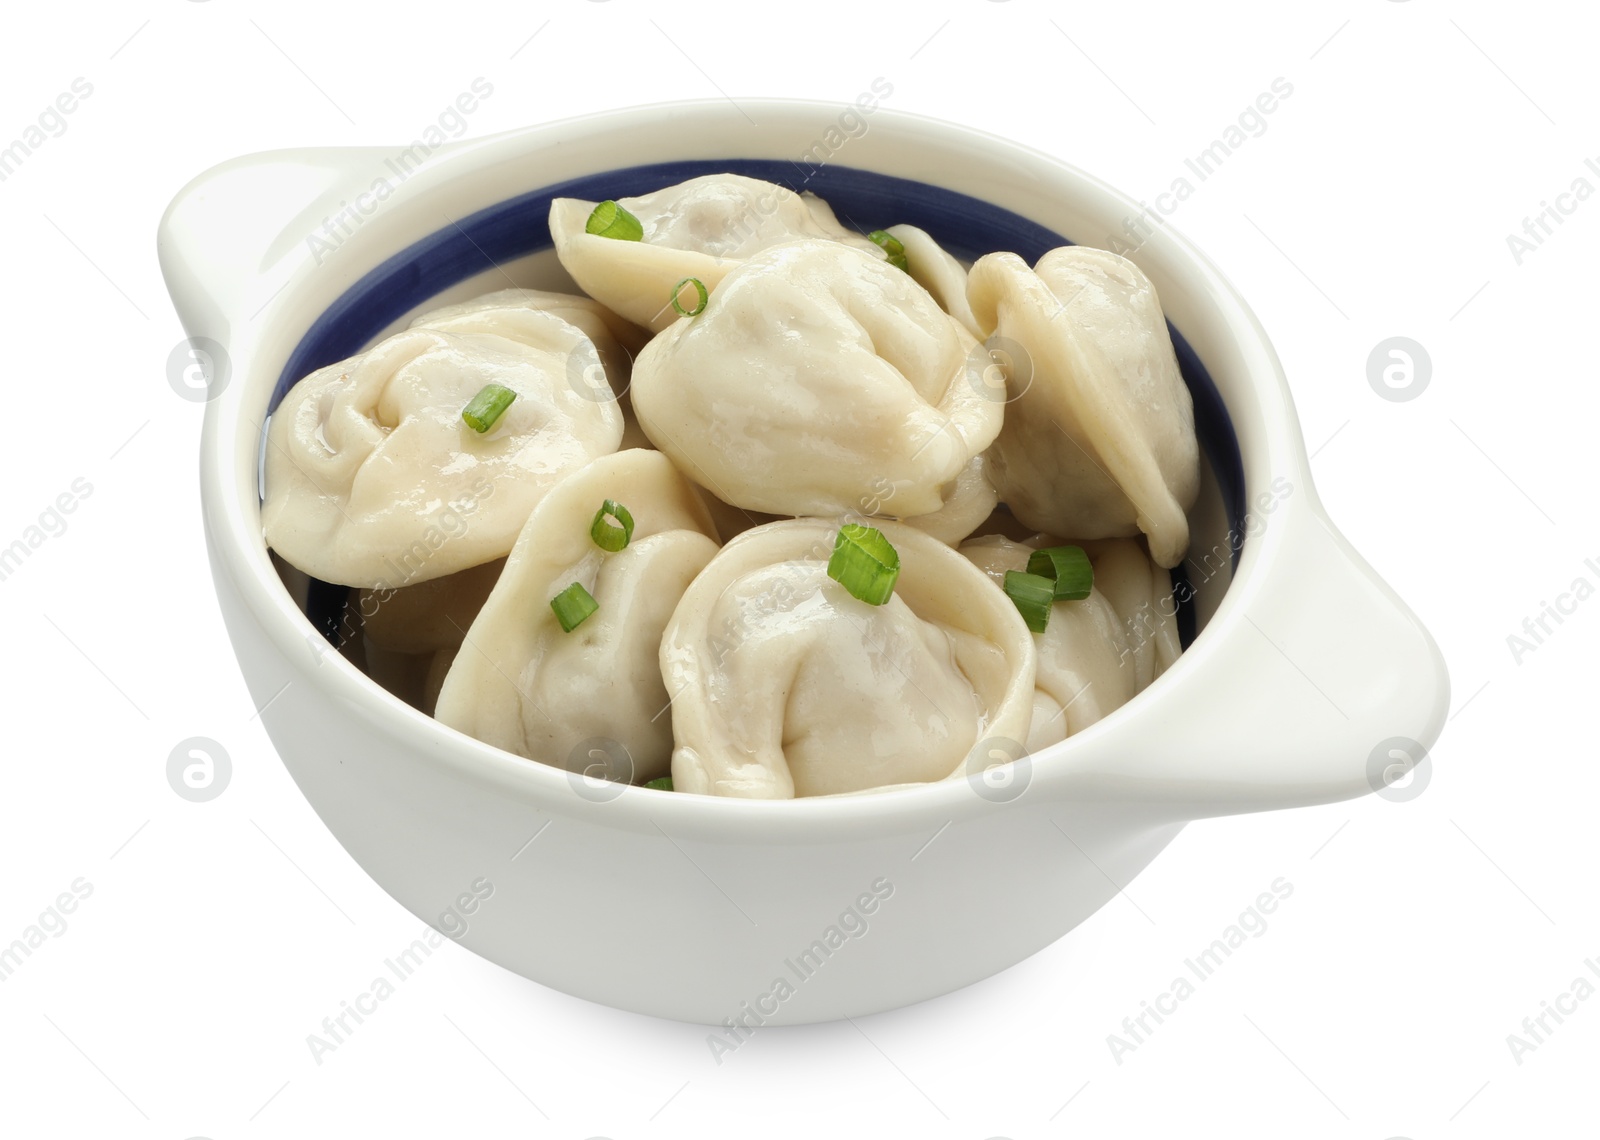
point(1312, 683)
point(232, 237)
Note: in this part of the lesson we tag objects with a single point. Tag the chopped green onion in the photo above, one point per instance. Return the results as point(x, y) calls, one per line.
point(607, 537)
point(1069, 567)
point(484, 410)
point(664, 784)
point(699, 287)
point(610, 220)
point(573, 606)
point(864, 563)
point(1032, 595)
point(891, 246)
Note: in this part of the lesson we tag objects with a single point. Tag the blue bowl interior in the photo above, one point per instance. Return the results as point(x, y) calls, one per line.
point(862, 199)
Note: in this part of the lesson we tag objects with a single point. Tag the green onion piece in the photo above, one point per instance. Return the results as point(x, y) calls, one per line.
point(664, 784)
point(699, 287)
point(607, 537)
point(864, 563)
point(573, 606)
point(1033, 596)
point(484, 410)
point(1069, 567)
point(891, 246)
point(610, 220)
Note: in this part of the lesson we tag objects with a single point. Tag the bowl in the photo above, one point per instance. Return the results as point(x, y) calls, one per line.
point(1305, 680)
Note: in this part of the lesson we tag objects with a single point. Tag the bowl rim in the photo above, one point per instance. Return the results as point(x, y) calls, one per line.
point(1263, 405)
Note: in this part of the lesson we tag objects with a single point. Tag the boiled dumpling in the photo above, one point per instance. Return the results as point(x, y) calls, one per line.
point(410, 634)
point(1099, 652)
point(819, 380)
point(605, 329)
point(1099, 432)
point(522, 684)
point(938, 272)
point(1003, 523)
point(701, 228)
point(599, 369)
point(372, 477)
point(787, 685)
point(1141, 592)
point(968, 504)
point(429, 616)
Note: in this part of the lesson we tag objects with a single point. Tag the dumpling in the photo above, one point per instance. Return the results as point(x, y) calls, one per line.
point(1099, 432)
point(1141, 593)
point(1005, 524)
point(599, 368)
point(372, 477)
point(819, 380)
point(700, 228)
point(606, 330)
point(522, 684)
point(938, 272)
point(410, 635)
point(967, 505)
point(1097, 653)
point(429, 616)
point(786, 685)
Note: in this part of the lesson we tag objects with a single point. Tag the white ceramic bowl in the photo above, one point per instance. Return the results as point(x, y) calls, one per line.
point(1305, 672)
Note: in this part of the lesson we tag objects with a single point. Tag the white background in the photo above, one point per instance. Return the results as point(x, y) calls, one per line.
point(1419, 934)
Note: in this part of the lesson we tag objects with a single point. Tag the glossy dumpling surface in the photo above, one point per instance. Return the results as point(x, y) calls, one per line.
point(599, 369)
point(374, 480)
point(786, 685)
point(1096, 653)
point(937, 271)
point(969, 502)
point(1099, 435)
point(819, 380)
point(604, 328)
point(569, 698)
point(701, 228)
